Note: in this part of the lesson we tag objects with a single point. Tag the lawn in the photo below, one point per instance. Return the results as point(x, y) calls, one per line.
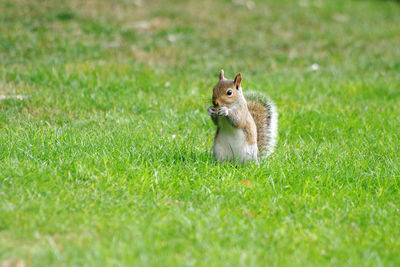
point(105, 140)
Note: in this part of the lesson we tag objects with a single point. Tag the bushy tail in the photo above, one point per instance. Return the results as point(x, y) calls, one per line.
point(265, 115)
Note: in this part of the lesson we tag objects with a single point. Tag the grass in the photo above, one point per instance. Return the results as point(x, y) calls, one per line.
point(107, 158)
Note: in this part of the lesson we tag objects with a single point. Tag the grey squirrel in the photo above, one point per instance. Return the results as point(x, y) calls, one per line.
point(247, 128)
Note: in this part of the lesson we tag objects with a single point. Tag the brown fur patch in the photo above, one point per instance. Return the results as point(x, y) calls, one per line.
point(250, 129)
point(251, 134)
point(259, 113)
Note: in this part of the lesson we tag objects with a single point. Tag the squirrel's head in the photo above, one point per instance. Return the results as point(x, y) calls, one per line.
point(226, 92)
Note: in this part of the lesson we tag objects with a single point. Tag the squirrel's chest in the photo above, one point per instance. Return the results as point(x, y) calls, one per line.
point(231, 143)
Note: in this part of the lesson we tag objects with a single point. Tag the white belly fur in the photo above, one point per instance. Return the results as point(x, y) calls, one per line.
point(230, 144)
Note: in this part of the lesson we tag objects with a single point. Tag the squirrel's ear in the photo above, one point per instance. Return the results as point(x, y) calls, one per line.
point(238, 80)
point(221, 75)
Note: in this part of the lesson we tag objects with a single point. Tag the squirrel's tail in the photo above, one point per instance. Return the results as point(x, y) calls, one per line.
point(265, 115)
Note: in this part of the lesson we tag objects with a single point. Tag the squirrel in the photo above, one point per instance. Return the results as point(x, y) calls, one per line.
point(246, 129)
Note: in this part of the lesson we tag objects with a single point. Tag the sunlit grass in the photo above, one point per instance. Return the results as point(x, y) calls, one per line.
point(106, 159)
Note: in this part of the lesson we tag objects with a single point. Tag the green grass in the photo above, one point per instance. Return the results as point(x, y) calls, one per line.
point(107, 161)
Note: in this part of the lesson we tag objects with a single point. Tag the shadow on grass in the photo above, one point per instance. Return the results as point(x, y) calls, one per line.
point(206, 158)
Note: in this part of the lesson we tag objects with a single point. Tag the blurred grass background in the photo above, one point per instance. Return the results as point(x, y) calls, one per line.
point(105, 140)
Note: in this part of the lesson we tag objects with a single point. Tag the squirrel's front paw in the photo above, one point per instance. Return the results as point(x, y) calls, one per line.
point(211, 110)
point(223, 111)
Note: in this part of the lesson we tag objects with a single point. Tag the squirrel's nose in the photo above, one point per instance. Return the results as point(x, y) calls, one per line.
point(215, 102)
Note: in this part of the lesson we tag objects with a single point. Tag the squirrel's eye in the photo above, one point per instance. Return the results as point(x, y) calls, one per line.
point(229, 92)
